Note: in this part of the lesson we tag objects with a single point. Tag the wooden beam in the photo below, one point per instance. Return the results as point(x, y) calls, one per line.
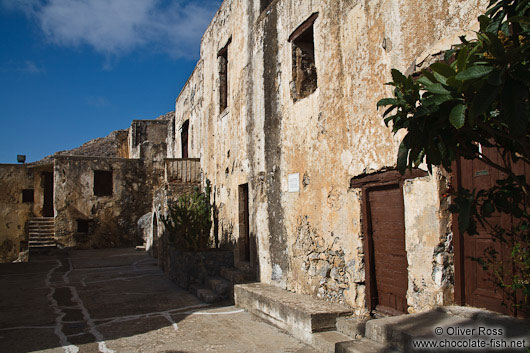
point(385, 177)
point(303, 27)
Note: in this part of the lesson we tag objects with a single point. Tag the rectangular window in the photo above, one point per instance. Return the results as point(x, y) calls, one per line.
point(304, 68)
point(223, 77)
point(102, 183)
point(82, 226)
point(28, 195)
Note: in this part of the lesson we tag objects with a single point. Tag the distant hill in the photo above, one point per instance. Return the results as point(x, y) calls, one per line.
point(113, 145)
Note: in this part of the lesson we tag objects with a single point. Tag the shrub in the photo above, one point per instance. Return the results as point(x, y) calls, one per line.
point(189, 221)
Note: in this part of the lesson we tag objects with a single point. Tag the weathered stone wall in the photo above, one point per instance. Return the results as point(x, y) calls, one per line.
point(147, 139)
point(112, 220)
point(162, 198)
point(310, 241)
point(14, 214)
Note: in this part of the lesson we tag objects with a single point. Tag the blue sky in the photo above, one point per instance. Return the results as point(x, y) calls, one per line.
point(74, 70)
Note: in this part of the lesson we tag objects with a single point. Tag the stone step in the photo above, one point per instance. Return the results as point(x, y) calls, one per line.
point(41, 221)
point(353, 327)
point(300, 315)
point(363, 345)
point(42, 239)
point(49, 244)
point(236, 276)
point(328, 341)
point(40, 235)
point(40, 230)
point(220, 286)
point(204, 294)
point(400, 331)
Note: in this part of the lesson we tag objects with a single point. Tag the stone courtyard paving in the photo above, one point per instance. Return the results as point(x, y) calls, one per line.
point(117, 300)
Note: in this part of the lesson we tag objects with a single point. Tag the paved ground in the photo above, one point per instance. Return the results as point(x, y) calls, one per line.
point(118, 300)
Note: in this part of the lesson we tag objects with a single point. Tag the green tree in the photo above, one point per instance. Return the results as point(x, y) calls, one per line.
point(477, 97)
point(189, 221)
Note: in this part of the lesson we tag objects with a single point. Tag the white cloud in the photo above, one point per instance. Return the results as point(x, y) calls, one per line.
point(97, 102)
point(28, 67)
point(118, 27)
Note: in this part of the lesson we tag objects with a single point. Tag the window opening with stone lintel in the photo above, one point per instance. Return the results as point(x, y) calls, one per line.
point(304, 68)
point(224, 86)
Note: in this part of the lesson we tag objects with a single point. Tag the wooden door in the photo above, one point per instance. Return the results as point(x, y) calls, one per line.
point(47, 209)
point(479, 288)
point(244, 224)
point(386, 232)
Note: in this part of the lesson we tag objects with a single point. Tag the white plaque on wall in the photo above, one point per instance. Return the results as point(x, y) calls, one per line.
point(294, 182)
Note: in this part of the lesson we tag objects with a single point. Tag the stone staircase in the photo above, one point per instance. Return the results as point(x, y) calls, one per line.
point(331, 328)
point(41, 232)
point(220, 288)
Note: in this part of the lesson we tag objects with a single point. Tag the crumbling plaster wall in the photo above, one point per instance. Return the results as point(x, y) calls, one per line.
point(311, 241)
point(14, 214)
point(147, 139)
point(112, 219)
point(188, 107)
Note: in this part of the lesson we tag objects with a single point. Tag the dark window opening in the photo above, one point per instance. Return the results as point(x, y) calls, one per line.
point(47, 206)
point(223, 77)
point(265, 4)
point(28, 195)
point(83, 226)
point(304, 68)
point(184, 138)
point(102, 183)
point(244, 224)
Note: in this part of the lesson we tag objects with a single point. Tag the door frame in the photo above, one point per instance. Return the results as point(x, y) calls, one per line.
point(458, 241)
point(391, 178)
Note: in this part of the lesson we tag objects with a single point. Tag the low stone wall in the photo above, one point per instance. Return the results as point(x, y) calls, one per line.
point(186, 268)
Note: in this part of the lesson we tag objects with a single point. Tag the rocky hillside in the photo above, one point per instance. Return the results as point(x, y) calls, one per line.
point(113, 145)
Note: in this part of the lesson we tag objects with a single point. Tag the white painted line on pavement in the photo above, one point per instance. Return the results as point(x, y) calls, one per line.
point(171, 321)
point(58, 329)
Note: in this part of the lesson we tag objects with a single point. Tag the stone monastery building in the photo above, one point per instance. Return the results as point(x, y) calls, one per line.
point(280, 116)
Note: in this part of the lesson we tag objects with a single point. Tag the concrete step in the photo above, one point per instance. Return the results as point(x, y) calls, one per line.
point(328, 341)
point(203, 293)
point(353, 327)
point(300, 315)
point(363, 345)
point(220, 286)
point(236, 276)
point(42, 241)
point(399, 332)
point(42, 238)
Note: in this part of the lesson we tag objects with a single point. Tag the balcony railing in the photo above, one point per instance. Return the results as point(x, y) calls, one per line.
point(183, 170)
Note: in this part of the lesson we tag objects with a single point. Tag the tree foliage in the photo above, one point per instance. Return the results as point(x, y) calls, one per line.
point(189, 221)
point(477, 99)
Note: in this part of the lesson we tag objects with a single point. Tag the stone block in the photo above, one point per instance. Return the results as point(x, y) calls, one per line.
point(300, 315)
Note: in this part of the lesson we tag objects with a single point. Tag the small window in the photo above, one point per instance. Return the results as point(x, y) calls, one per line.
point(304, 68)
point(102, 183)
point(82, 226)
point(28, 195)
point(223, 77)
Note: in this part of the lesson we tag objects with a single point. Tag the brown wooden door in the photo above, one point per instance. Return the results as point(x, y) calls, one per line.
point(47, 209)
point(244, 224)
point(389, 257)
point(480, 289)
